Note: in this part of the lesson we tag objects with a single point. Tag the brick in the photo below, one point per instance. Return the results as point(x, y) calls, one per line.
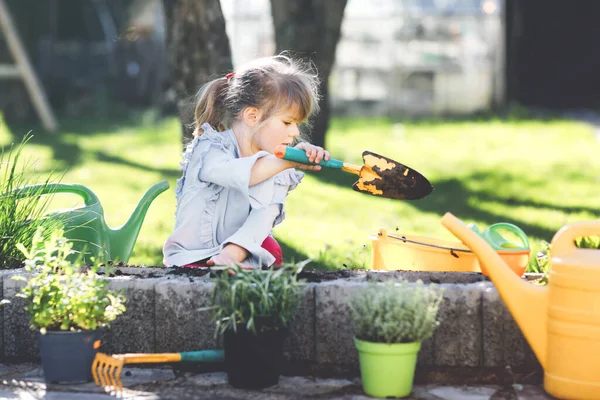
point(19, 340)
point(132, 331)
point(334, 334)
point(503, 341)
point(180, 325)
point(300, 345)
point(458, 338)
point(4, 274)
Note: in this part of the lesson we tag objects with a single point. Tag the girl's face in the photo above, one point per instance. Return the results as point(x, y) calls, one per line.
point(282, 128)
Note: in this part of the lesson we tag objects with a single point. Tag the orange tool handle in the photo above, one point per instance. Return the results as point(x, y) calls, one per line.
point(186, 356)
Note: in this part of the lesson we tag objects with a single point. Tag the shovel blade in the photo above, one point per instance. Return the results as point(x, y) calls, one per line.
point(383, 177)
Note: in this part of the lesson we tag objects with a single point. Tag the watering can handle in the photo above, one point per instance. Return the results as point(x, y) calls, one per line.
point(86, 194)
point(511, 228)
point(563, 241)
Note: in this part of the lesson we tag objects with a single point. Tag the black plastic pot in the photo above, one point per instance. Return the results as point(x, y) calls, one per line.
point(67, 356)
point(254, 361)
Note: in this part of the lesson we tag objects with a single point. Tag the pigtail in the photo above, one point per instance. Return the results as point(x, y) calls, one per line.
point(210, 105)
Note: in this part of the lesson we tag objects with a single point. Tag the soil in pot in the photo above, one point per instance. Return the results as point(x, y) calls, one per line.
point(254, 361)
point(67, 356)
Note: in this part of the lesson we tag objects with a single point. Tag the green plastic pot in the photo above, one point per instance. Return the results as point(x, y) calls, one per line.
point(387, 370)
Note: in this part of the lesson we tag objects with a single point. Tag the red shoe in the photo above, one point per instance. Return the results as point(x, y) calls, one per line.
point(274, 248)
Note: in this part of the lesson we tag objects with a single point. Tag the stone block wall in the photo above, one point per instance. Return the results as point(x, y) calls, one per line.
point(476, 332)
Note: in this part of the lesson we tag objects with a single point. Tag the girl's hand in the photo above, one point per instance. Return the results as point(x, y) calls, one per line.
point(314, 153)
point(231, 254)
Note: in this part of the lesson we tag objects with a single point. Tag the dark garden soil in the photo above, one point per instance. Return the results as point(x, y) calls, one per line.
point(307, 275)
point(314, 275)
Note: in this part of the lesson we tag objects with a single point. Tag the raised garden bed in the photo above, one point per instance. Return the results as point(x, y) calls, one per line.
point(477, 341)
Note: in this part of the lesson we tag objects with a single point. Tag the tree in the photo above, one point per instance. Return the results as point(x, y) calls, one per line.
point(311, 28)
point(198, 50)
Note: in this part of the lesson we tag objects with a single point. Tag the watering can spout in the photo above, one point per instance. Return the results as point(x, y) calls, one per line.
point(527, 303)
point(123, 238)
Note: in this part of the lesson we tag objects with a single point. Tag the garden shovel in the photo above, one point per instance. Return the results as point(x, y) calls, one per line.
point(379, 176)
point(106, 369)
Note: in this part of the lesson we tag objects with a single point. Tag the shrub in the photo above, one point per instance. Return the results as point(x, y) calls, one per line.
point(20, 215)
point(255, 300)
point(61, 295)
point(395, 312)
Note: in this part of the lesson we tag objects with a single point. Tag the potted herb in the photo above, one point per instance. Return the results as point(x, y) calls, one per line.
point(68, 304)
point(252, 310)
point(390, 322)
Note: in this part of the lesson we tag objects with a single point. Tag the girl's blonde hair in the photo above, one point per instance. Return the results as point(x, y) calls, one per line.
point(271, 84)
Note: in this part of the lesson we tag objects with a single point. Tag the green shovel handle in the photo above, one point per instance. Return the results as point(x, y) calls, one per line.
point(203, 356)
point(299, 155)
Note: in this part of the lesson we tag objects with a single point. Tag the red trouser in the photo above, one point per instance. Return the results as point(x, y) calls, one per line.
point(269, 244)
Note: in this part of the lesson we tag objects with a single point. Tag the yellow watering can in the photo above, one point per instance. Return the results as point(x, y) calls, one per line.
point(561, 322)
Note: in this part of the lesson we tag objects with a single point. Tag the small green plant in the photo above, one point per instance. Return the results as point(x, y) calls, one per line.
point(541, 263)
point(395, 312)
point(20, 214)
point(255, 300)
point(588, 242)
point(62, 295)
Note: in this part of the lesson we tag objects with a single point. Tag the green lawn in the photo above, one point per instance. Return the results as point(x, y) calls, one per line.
point(539, 175)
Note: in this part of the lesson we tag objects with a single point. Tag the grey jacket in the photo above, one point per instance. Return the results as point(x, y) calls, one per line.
point(215, 205)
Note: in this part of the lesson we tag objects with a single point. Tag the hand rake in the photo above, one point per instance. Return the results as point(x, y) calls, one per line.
point(106, 369)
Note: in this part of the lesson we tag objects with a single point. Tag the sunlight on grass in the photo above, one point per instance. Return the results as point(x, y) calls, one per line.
point(538, 175)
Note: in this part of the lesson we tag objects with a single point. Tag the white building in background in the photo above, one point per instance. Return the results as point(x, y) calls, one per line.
point(398, 57)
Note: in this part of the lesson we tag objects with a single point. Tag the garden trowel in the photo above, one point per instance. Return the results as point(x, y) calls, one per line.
point(379, 176)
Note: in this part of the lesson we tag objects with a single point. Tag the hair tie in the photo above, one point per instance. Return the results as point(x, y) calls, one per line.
point(230, 75)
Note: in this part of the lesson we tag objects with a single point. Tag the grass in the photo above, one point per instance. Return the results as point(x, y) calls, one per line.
point(537, 174)
point(15, 172)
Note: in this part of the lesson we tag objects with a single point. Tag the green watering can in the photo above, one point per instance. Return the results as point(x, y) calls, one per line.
point(86, 227)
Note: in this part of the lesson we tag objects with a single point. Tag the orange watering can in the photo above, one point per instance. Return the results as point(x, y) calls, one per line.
point(561, 322)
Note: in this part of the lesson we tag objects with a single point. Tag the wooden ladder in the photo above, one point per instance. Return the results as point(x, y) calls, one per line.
point(22, 69)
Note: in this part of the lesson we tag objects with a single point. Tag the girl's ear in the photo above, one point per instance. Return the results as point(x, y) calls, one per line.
point(251, 116)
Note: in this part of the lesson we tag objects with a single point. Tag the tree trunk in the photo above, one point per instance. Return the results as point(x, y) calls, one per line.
point(198, 51)
point(311, 28)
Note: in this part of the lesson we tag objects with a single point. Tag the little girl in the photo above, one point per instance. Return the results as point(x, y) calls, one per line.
point(233, 188)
